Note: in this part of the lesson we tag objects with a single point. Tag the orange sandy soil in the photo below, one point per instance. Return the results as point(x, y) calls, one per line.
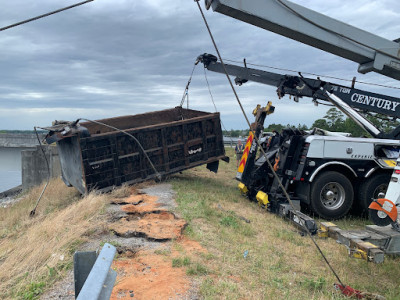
point(147, 204)
point(160, 226)
point(147, 275)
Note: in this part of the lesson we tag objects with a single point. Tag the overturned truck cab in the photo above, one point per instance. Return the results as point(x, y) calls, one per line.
point(106, 153)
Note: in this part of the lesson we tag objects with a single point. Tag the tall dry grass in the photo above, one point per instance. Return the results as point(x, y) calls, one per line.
point(38, 250)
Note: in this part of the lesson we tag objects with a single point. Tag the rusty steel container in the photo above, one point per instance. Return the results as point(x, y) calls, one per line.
point(94, 156)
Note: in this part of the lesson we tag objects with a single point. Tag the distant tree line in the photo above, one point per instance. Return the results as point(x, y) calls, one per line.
point(334, 120)
point(235, 133)
point(2, 131)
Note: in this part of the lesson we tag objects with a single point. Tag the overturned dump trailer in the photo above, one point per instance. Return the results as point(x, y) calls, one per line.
point(96, 156)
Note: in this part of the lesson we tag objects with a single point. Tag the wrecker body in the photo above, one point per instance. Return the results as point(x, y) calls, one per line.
point(328, 172)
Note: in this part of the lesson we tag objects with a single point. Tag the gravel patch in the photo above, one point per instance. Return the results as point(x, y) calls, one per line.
point(164, 193)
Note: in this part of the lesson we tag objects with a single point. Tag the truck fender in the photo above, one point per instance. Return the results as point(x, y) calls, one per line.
point(370, 172)
point(321, 167)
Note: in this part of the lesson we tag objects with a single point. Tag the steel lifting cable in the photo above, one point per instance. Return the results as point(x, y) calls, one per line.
point(262, 150)
point(212, 99)
point(33, 211)
point(186, 91)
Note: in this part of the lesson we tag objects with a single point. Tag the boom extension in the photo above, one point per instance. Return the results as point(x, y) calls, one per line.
point(299, 86)
point(372, 52)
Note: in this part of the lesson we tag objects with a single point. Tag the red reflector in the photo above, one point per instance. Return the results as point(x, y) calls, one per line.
point(397, 171)
point(294, 178)
point(301, 179)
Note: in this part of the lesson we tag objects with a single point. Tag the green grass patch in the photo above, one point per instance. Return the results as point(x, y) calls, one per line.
point(181, 262)
point(32, 291)
point(229, 221)
point(197, 269)
point(314, 284)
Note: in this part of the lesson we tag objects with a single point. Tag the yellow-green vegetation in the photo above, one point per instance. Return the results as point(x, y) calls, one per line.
point(266, 258)
point(37, 251)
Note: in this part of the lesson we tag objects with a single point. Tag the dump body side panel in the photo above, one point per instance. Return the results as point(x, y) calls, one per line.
point(174, 140)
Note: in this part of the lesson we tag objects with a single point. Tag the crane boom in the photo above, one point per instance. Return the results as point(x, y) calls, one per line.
point(371, 52)
point(299, 86)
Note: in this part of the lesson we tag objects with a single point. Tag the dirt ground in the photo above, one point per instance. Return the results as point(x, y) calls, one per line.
point(148, 236)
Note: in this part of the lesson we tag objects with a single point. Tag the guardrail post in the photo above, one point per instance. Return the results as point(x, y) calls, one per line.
point(83, 264)
point(100, 281)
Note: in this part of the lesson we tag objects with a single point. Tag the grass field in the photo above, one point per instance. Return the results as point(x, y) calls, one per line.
point(266, 258)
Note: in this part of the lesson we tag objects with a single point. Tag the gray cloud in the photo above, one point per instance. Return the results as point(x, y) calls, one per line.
point(110, 58)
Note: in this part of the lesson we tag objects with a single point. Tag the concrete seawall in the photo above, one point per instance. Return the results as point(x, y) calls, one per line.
point(22, 161)
point(19, 140)
point(34, 167)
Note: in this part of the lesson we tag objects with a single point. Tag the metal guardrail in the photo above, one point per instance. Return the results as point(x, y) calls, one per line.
point(232, 141)
point(94, 280)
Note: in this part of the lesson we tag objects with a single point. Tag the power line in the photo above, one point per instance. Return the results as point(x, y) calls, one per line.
point(44, 15)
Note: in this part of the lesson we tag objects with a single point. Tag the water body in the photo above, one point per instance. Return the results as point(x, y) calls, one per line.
point(10, 168)
point(9, 179)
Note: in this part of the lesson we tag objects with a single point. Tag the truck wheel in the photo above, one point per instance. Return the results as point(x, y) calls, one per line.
point(331, 195)
point(371, 188)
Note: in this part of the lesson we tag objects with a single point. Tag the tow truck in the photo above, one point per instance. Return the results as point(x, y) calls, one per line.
point(322, 171)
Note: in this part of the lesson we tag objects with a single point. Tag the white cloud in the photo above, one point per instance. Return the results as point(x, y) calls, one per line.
point(111, 58)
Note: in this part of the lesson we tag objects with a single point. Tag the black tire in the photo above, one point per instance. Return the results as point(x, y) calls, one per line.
point(331, 195)
point(370, 189)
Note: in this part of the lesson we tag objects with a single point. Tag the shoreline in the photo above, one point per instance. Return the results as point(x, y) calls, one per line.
point(7, 197)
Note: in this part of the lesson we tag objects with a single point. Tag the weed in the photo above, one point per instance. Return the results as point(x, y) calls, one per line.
point(229, 221)
point(65, 265)
point(208, 256)
point(247, 230)
point(197, 269)
point(113, 243)
point(208, 289)
point(32, 291)
point(52, 272)
point(313, 284)
point(73, 246)
point(164, 252)
point(278, 282)
point(180, 262)
point(178, 247)
point(190, 232)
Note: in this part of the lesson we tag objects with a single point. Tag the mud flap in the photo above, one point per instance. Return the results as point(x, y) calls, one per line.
point(213, 166)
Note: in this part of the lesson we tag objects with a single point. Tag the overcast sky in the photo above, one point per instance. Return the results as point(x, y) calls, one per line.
point(110, 58)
